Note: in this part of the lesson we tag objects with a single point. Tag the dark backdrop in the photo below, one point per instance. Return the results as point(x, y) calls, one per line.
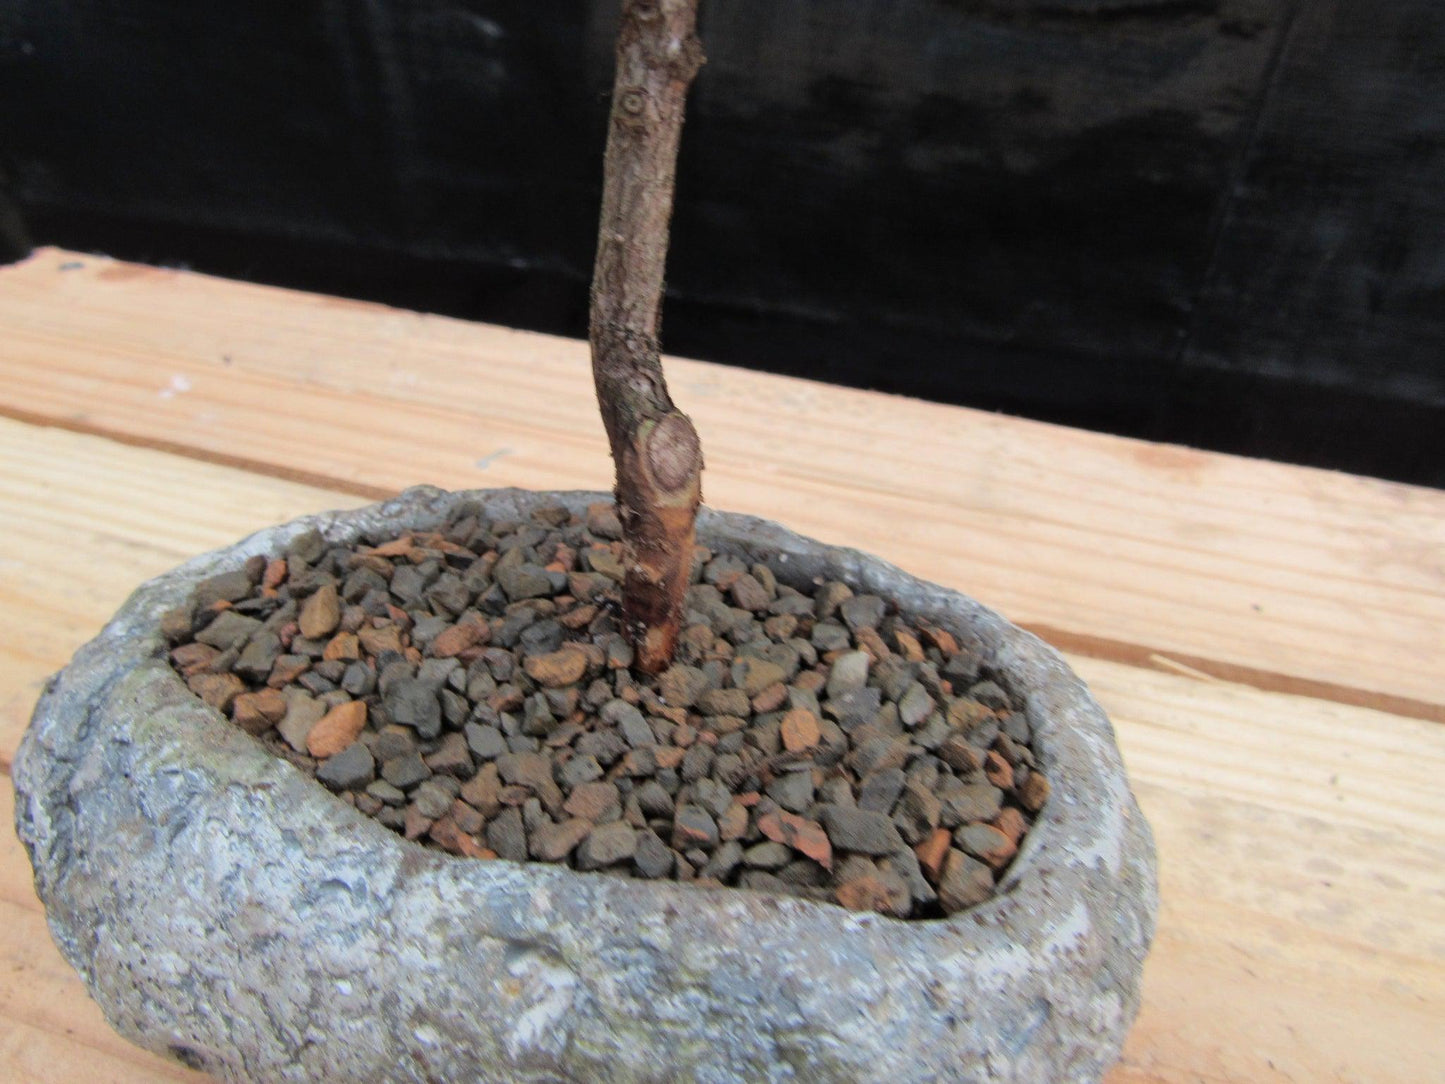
point(1220, 222)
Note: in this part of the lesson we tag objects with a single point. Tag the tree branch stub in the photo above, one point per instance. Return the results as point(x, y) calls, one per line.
point(654, 446)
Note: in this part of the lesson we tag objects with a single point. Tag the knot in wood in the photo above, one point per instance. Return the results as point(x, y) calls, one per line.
point(632, 107)
point(674, 455)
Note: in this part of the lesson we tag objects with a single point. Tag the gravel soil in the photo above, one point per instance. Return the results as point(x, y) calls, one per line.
point(470, 689)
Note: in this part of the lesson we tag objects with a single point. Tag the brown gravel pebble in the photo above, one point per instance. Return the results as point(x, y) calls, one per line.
point(337, 729)
point(258, 712)
point(217, 690)
point(470, 687)
point(800, 730)
point(998, 771)
point(321, 613)
point(1035, 792)
point(1011, 822)
point(932, 851)
point(555, 669)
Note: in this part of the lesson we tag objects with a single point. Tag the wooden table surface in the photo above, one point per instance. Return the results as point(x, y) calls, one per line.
point(1269, 640)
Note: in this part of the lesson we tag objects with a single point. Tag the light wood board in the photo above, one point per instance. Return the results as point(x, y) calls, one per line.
point(1287, 578)
point(1301, 841)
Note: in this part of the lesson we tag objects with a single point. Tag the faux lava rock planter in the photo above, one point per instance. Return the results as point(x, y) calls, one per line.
point(228, 912)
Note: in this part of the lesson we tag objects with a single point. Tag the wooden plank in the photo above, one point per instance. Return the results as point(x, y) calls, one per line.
point(1284, 577)
point(1302, 842)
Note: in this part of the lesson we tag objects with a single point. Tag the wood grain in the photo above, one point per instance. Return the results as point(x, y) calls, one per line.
point(1302, 842)
point(1285, 577)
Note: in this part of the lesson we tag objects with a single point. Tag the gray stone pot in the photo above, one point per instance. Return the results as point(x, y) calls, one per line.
point(226, 911)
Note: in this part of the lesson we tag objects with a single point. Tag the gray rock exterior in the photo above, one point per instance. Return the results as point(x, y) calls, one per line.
point(228, 912)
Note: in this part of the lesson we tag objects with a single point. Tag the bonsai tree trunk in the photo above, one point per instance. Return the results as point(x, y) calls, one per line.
point(654, 445)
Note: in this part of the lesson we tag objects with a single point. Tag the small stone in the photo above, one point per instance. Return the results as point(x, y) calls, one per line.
point(799, 730)
point(523, 581)
point(414, 822)
point(917, 814)
point(986, 843)
point(769, 855)
point(352, 767)
point(723, 702)
point(970, 802)
point(227, 630)
point(393, 741)
point(998, 771)
point(849, 672)
point(712, 796)
point(653, 799)
point(959, 755)
point(258, 712)
point(303, 712)
point(217, 690)
point(804, 836)
point(915, 706)
point(452, 757)
point(455, 639)
point(602, 520)
point(483, 790)
point(793, 791)
point(343, 648)
point(879, 754)
point(1011, 823)
point(723, 863)
point(414, 703)
point(376, 641)
point(749, 594)
point(306, 548)
point(259, 656)
point(753, 675)
point(383, 791)
point(432, 799)
point(449, 835)
point(829, 597)
point(534, 771)
point(1035, 792)
point(652, 858)
point(486, 742)
point(697, 762)
point(337, 729)
point(963, 882)
point(226, 587)
point(579, 770)
point(967, 715)
point(553, 842)
point(287, 669)
point(733, 822)
point(693, 827)
point(680, 685)
point(607, 845)
point(405, 771)
point(506, 835)
point(598, 802)
point(321, 613)
point(557, 668)
point(863, 612)
point(880, 790)
point(932, 851)
point(862, 886)
point(635, 730)
point(860, 830)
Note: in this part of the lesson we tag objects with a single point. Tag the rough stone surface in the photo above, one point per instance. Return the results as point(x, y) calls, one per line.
point(303, 941)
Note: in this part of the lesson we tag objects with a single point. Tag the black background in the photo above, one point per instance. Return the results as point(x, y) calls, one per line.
point(1219, 223)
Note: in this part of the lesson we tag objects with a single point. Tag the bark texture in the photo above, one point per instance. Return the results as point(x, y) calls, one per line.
point(654, 445)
